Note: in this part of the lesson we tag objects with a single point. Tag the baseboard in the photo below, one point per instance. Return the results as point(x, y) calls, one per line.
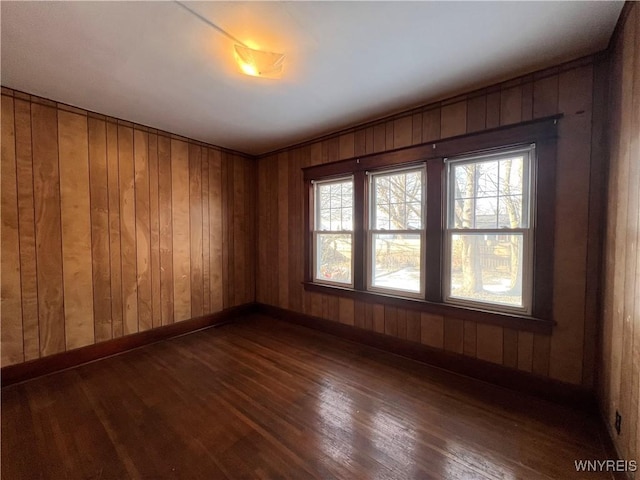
point(35, 368)
point(541, 387)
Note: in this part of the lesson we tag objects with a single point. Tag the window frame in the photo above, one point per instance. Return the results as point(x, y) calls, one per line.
point(541, 132)
point(370, 232)
point(528, 233)
point(316, 231)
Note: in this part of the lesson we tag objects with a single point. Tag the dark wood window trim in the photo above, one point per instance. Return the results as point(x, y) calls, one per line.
point(542, 132)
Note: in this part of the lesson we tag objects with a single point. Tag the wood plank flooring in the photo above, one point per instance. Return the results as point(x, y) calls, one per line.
point(265, 399)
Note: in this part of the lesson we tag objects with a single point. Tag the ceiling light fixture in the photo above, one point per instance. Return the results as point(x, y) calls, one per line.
point(253, 62)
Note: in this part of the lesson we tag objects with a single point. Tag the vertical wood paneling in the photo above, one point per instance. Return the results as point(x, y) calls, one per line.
point(401, 323)
point(510, 348)
point(511, 105)
point(527, 101)
point(476, 113)
point(128, 230)
point(75, 211)
point(99, 188)
point(431, 125)
point(215, 222)
point(545, 96)
point(206, 233)
point(490, 343)
point(115, 265)
point(143, 229)
point(454, 119)
point(195, 225)
point(432, 330)
point(413, 326)
point(416, 128)
point(620, 374)
point(492, 110)
point(525, 351)
point(391, 321)
point(453, 335)
point(470, 338)
point(296, 235)
point(227, 230)
point(26, 219)
point(263, 208)
point(402, 131)
point(379, 138)
point(154, 225)
point(237, 259)
point(574, 151)
point(114, 228)
point(378, 318)
point(346, 309)
point(283, 226)
point(541, 348)
point(46, 186)
point(12, 333)
point(165, 203)
point(181, 230)
point(346, 146)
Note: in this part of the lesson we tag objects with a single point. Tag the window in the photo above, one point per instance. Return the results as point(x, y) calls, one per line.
point(333, 231)
point(489, 235)
point(396, 235)
point(463, 227)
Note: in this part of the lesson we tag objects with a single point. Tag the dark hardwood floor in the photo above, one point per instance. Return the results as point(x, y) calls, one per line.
point(265, 399)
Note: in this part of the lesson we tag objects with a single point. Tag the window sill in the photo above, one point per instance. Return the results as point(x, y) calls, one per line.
point(508, 320)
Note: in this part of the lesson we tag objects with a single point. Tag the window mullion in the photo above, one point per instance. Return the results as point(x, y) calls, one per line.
point(360, 224)
point(435, 221)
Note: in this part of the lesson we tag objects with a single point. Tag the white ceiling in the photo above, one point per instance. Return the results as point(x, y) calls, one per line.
point(156, 64)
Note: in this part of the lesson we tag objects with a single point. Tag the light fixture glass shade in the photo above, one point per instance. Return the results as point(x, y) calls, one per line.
point(258, 63)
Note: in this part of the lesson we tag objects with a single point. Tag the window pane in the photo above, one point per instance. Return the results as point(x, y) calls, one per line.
point(489, 193)
point(487, 268)
point(398, 200)
point(396, 262)
point(333, 257)
point(334, 206)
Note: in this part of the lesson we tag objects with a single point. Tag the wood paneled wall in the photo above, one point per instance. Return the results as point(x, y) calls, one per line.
point(619, 385)
point(566, 355)
point(110, 228)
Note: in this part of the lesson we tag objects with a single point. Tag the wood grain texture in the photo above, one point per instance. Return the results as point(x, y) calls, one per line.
point(99, 190)
point(154, 225)
point(166, 230)
point(348, 413)
point(432, 330)
point(453, 335)
point(12, 333)
point(26, 220)
point(206, 237)
point(619, 376)
point(181, 230)
point(215, 219)
point(46, 186)
point(470, 340)
point(574, 148)
point(128, 230)
point(195, 224)
point(453, 119)
point(75, 211)
point(490, 343)
point(143, 229)
point(283, 226)
point(89, 204)
point(115, 263)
